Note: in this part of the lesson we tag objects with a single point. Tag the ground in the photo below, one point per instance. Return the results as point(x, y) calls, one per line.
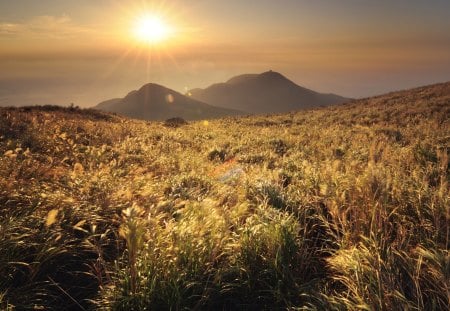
point(345, 207)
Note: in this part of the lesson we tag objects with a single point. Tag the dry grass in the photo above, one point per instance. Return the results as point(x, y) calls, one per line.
point(337, 208)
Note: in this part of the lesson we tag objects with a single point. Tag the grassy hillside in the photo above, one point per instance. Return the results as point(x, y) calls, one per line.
point(339, 208)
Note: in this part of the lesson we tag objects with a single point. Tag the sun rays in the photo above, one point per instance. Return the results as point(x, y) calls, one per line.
point(151, 29)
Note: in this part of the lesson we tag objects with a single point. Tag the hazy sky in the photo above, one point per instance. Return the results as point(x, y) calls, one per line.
point(84, 51)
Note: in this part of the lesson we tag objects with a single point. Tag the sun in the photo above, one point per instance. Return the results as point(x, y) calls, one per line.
point(151, 29)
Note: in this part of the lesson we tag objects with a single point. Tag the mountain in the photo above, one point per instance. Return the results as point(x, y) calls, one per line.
point(268, 92)
point(108, 103)
point(156, 102)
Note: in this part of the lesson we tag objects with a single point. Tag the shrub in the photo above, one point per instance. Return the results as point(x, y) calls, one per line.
point(175, 122)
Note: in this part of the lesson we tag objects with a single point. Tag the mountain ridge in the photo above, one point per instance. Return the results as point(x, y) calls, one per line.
point(156, 102)
point(267, 92)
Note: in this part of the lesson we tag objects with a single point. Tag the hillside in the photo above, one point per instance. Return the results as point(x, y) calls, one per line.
point(343, 208)
point(155, 102)
point(268, 92)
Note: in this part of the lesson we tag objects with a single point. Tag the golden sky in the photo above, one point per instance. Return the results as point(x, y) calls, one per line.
point(59, 52)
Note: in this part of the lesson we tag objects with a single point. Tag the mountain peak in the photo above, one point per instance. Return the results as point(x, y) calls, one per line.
point(272, 75)
point(267, 92)
point(267, 75)
point(148, 88)
point(156, 102)
point(152, 86)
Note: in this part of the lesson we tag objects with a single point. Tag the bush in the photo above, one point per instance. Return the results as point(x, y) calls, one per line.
point(175, 122)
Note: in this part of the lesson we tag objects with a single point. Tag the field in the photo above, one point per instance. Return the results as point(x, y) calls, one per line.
point(343, 208)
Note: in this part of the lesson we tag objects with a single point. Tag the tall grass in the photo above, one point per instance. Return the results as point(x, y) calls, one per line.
point(340, 208)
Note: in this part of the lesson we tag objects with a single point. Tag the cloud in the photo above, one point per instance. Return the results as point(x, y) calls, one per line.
point(44, 26)
point(9, 29)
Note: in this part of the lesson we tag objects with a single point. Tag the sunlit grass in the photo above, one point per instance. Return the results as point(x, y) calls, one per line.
point(338, 208)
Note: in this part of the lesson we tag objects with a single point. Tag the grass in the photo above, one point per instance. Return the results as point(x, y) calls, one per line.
point(338, 208)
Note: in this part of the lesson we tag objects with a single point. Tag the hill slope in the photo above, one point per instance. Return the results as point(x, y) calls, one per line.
point(269, 92)
point(155, 102)
point(338, 208)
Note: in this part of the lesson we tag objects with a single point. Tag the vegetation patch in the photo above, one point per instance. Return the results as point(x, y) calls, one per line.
point(175, 122)
point(340, 208)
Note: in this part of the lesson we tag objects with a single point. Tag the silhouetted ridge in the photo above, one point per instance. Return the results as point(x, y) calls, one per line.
point(156, 102)
point(153, 87)
point(241, 78)
point(272, 75)
point(268, 92)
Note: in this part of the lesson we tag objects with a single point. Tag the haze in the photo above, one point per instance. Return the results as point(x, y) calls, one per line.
point(83, 52)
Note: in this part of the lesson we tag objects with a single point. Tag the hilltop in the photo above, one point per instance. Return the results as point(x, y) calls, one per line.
point(156, 102)
point(343, 207)
point(265, 93)
point(268, 92)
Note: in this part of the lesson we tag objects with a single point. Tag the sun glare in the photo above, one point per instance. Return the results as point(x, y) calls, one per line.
point(151, 29)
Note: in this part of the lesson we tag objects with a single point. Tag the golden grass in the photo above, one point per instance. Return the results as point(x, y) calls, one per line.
point(344, 207)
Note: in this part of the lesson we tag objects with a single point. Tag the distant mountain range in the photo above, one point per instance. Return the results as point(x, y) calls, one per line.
point(268, 92)
point(156, 102)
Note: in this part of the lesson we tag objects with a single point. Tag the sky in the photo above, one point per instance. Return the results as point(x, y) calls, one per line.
point(84, 51)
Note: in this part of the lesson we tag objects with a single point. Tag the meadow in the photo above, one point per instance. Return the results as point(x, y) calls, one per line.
point(337, 208)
